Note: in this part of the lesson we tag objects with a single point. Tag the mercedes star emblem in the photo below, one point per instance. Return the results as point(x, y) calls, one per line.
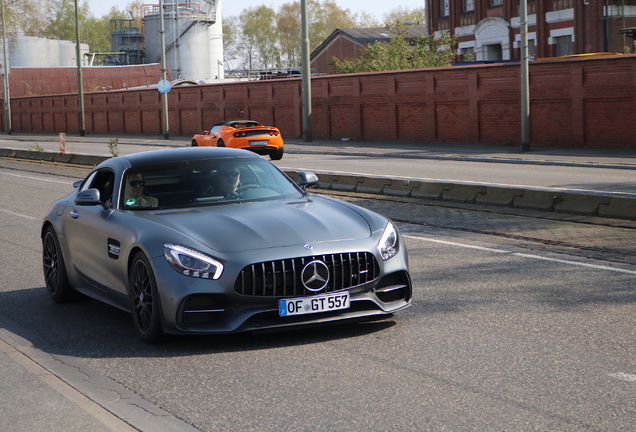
point(315, 276)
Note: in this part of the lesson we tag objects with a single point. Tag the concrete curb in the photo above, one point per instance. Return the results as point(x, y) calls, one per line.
point(117, 401)
point(68, 158)
point(589, 203)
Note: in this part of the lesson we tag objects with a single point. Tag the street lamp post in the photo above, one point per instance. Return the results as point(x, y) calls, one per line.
point(5, 76)
point(525, 76)
point(306, 73)
point(80, 83)
point(164, 68)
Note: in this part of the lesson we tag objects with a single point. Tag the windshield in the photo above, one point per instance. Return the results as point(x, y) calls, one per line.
point(205, 182)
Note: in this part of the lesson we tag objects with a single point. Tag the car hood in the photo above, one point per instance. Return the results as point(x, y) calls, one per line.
point(259, 225)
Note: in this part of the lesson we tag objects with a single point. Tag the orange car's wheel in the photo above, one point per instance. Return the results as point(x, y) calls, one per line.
point(194, 143)
point(220, 143)
point(276, 154)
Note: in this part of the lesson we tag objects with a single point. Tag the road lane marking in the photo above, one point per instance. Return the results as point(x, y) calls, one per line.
point(432, 240)
point(35, 178)
point(623, 376)
point(524, 255)
point(17, 214)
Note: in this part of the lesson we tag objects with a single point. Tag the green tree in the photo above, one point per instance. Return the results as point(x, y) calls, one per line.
point(231, 47)
point(98, 30)
point(324, 17)
point(400, 53)
point(366, 20)
point(288, 23)
point(401, 15)
point(257, 40)
point(62, 19)
point(27, 17)
point(134, 10)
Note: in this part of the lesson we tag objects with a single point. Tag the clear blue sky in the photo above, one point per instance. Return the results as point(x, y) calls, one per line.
point(234, 7)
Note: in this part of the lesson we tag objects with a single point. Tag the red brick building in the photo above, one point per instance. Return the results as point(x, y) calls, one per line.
point(348, 44)
point(489, 29)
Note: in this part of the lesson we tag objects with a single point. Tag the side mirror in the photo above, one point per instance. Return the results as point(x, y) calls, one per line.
point(307, 179)
point(88, 197)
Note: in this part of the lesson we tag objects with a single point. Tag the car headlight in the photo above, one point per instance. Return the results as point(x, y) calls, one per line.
point(389, 244)
point(191, 262)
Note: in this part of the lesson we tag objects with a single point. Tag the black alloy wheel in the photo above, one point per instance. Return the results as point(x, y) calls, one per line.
point(144, 300)
point(220, 143)
point(55, 275)
point(194, 143)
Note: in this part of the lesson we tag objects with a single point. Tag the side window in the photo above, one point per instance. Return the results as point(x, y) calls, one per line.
point(103, 181)
point(87, 183)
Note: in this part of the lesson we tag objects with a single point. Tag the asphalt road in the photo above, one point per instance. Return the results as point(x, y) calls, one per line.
point(591, 171)
point(514, 175)
point(505, 332)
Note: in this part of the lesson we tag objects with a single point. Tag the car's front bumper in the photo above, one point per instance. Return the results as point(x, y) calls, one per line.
point(198, 306)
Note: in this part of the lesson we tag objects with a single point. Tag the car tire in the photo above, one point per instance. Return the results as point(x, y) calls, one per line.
point(276, 154)
point(220, 143)
point(144, 299)
point(194, 143)
point(55, 275)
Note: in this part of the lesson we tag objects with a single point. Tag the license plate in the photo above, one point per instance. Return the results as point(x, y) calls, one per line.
point(309, 305)
point(255, 143)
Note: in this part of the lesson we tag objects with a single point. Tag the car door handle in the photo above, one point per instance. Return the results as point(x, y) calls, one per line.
point(74, 214)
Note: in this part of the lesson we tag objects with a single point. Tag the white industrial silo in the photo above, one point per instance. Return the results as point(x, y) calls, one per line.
point(191, 31)
point(32, 52)
point(216, 45)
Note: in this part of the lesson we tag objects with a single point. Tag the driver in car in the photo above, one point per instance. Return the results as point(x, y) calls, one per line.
point(134, 193)
point(227, 181)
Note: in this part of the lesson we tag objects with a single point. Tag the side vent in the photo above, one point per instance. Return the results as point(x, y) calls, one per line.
point(114, 247)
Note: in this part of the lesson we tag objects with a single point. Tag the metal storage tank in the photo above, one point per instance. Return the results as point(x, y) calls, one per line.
point(67, 53)
point(192, 39)
point(30, 51)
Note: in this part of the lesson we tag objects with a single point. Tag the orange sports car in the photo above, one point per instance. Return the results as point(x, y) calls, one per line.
point(243, 134)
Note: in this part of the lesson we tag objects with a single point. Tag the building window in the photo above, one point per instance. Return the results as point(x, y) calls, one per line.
point(468, 54)
point(492, 52)
point(496, 3)
point(468, 5)
point(444, 8)
point(563, 45)
point(531, 49)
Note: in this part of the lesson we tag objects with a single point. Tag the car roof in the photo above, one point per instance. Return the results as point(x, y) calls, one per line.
point(154, 157)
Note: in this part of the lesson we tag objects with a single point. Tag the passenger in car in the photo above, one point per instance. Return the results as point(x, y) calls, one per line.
point(134, 196)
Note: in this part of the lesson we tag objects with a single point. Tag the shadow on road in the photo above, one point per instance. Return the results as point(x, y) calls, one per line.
point(91, 329)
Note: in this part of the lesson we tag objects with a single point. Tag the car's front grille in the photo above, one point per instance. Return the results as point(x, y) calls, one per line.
point(283, 277)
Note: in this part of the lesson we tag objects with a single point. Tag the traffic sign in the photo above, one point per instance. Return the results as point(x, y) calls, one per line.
point(164, 86)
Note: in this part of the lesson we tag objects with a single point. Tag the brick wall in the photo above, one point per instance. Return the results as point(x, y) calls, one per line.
point(61, 80)
point(574, 102)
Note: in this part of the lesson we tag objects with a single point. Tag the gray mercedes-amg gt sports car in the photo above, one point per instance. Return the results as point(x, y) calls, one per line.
point(219, 240)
